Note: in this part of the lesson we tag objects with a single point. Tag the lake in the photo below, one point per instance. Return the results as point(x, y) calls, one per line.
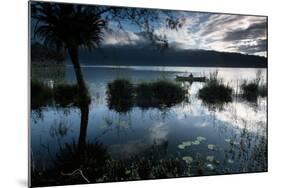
point(197, 138)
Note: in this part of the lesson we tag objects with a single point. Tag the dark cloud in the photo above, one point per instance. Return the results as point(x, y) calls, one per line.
point(254, 31)
point(260, 46)
point(221, 32)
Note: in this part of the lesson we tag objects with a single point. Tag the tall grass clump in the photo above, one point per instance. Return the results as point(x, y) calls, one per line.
point(41, 94)
point(120, 95)
point(251, 90)
point(161, 93)
point(215, 91)
point(70, 95)
point(66, 94)
point(62, 95)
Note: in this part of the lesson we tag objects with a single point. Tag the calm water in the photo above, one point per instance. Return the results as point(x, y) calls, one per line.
point(232, 135)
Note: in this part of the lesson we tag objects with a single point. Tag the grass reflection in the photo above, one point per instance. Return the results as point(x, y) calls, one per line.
point(214, 91)
point(122, 95)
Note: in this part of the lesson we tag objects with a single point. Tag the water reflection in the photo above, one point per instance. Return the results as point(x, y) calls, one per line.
point(102, 140)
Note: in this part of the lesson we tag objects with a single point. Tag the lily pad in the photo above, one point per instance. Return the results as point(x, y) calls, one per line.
point(200, 138)
point(230, 161)
point(187, 159)
point(181, 146)
point(187, 143)
point(210, 158)
point(211, 146)
point(195, 142)
point(227, 140)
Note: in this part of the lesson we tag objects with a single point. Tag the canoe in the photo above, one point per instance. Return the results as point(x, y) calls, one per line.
point(190, 79)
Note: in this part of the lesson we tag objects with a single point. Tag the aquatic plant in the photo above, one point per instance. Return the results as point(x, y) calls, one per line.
point(227, 140)
point(93, 164)
point(214, 91)
point(201, 138)
point(120, 94)
point(160, 94)
point(65, 94)
point(195, 142)
point(260, 155)
point(230, 161)
point(211, 146)
point(252, 90)
point(62, 95)
point(184, 144)
point(255, 88)
point(41, 94)
point(210, 158)
point(187, 159)
point(210, 166)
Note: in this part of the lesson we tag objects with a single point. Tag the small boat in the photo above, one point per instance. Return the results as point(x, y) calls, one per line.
point(190, 79)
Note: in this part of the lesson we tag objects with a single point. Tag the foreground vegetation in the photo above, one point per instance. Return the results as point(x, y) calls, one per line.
point(93, 164)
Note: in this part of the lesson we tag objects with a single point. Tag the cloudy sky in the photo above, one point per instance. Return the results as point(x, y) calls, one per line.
point(220, 32)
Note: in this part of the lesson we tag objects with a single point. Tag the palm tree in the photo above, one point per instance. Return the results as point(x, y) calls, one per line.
point(68, 27)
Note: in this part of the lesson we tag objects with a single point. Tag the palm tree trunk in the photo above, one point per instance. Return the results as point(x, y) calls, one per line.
point(84, 100)
point(83, 127)
point(73, 52)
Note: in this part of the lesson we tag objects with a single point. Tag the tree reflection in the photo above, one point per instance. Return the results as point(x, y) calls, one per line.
point(75, 156)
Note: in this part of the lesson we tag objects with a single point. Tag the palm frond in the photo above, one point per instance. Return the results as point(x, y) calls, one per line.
point(66, 25)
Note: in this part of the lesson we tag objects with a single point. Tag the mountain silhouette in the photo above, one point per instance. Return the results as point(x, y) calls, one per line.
point(148, 56)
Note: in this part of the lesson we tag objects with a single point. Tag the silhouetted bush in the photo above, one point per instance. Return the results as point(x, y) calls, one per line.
point(263, 90)
point(63, 95)
point(70, 95)
point(66, 94)
point(214, 91)
point(255, 88)
point(161, 93)
point(252, 90)
point(120, 94)
point(41, 94)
